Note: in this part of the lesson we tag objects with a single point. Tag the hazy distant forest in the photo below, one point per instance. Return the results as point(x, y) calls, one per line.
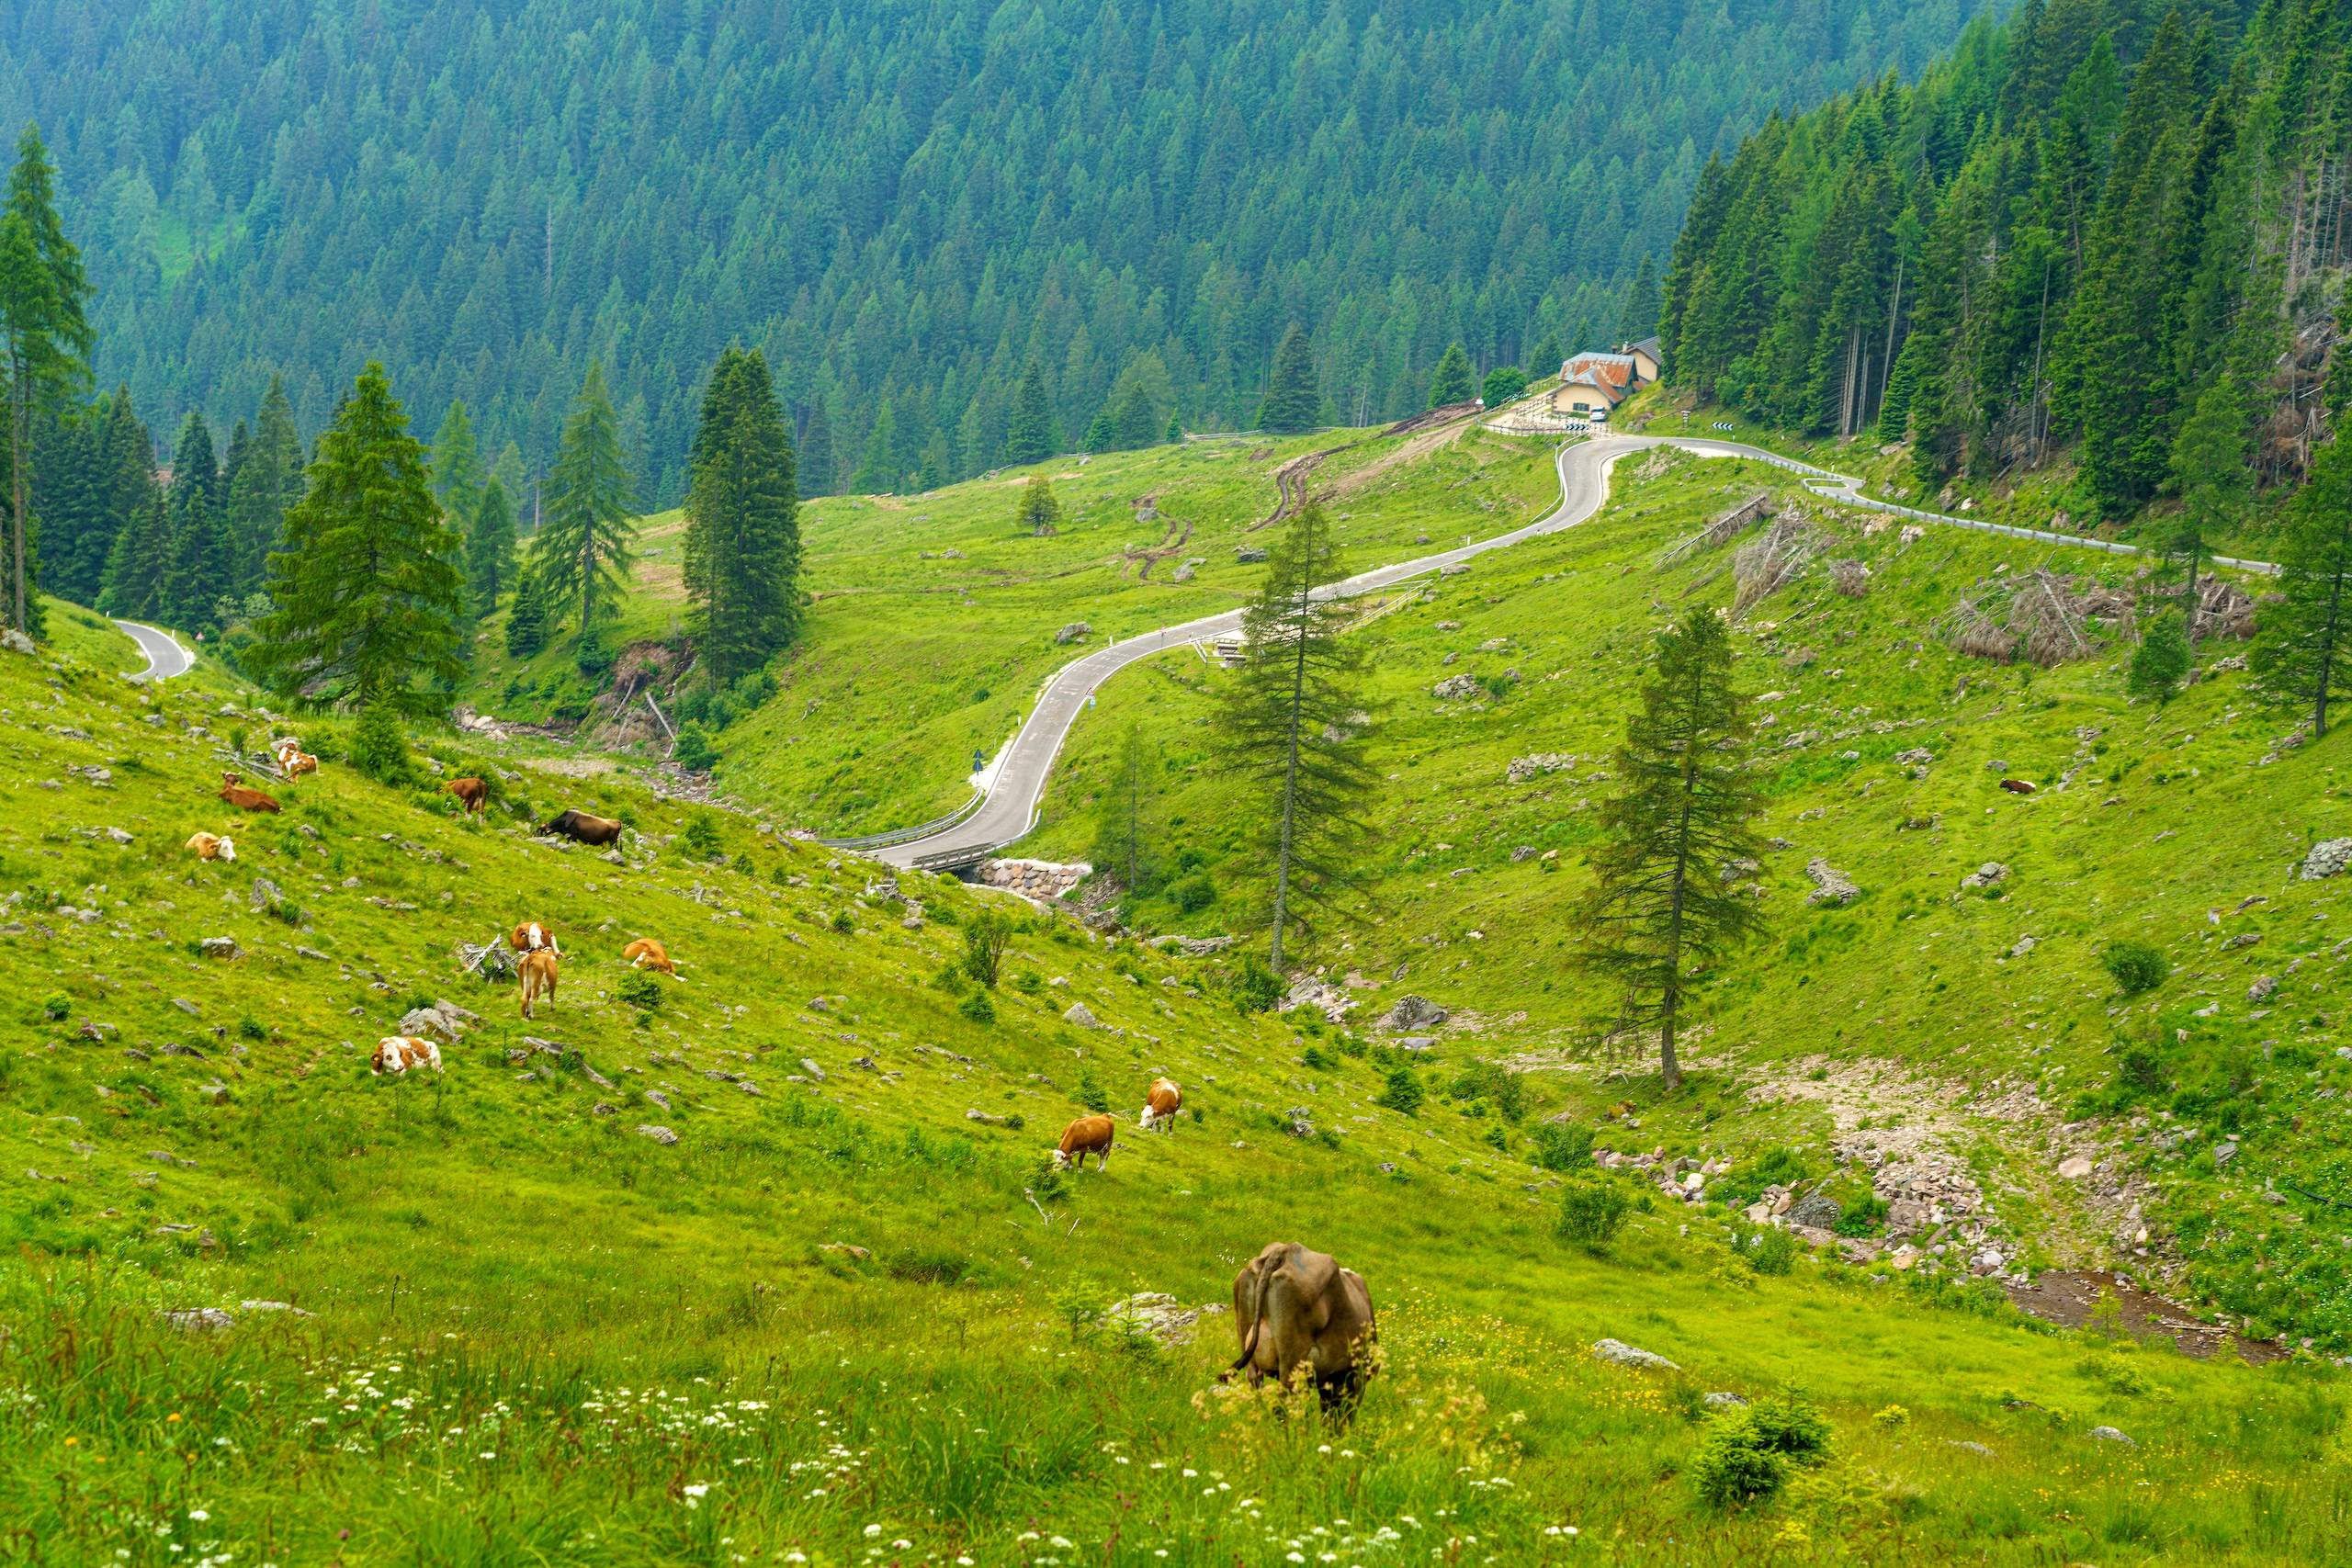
point(904, 204)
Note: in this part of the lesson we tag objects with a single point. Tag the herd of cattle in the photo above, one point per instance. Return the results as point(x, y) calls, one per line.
point(1294, 1310)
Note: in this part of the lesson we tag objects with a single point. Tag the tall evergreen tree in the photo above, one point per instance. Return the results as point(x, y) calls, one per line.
point(877, 471)
point(742, 546)
point(2304, 658)
point(1455, 380)
point(195, 571)
point(1288, 729)
point(490, 550)
point(1293, 402)
point(582, 551)
point(134, 584)
point(45, 339)
point(266, 484)
point(1659, 909)
point(2209, 462)
point(526, 618)
point(815, 469)
point(1135, 422)
point(1029, 436)
point(366, 592)
point(1120, 812)
point(458, 474)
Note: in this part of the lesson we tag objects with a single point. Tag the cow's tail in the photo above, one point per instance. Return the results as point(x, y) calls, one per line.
point(1249, 1348)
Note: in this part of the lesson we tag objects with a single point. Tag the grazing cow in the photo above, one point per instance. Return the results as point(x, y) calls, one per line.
point(1161, 1103)
point(1294, 1307)
point(536, 969)
point(1086, 1135)
point(531, 936)
point(292, 760)
point(2016, 786)
point(583, 829)
point(242, 797)
point(399, 1054)
point(647, 953)
point(211, 846)
point(472, 793)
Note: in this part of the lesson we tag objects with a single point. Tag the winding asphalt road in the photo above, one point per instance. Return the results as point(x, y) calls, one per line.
point(165, 657)
point(1008, 807)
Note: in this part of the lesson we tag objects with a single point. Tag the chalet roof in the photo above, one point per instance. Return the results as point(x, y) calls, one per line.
point(1612, 391)
point(1617, 369)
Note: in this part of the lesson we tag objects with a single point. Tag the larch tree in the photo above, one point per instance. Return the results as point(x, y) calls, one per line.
point(1660, 910)
point(1293, 401)
point(584, 550)
point(1289, 728)
point(490, 550)
point(2304, 658)
point(1040, 510)
point(366, 592)
point(2209, 461)
point(1454, 382)
point(45, 340)
point(456, 465)
point(742, 546)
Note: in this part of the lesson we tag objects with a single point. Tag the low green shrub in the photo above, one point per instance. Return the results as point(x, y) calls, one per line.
point(1592, 1211)
point(977, 1006)
point(2136, 966)
point(1746, 1455)
point(640, 989)
point(1563, 1145)
point(1254, 987)
point(1402, 1093)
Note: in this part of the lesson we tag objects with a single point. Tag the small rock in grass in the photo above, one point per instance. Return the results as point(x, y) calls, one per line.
point(2111, 1435)
point(1618, 1353)
point(658, 1134)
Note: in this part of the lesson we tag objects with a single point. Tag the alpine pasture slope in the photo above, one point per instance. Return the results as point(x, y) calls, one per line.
point(840, 1319)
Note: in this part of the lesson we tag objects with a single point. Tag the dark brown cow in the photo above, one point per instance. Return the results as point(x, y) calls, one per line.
point(1086, 1135)
point(2016, 786)
point(1293, 1307)
point(243, 798)
point(583, 829)
point(472, 793)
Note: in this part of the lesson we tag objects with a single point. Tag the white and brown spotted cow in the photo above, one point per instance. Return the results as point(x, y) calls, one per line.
point(398, 1054)
point(1161, 1104)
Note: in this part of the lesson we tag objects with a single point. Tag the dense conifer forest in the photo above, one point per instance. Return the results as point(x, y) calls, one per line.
point(906, 207)
point(2108, 231)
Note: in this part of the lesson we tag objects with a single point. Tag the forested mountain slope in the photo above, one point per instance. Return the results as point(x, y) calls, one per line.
point(2110, 231)
point(904, 204)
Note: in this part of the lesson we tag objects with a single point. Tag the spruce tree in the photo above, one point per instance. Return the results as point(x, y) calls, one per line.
point(878, 472)
point(814, 467)
point(1102, 435)
point(2304, 658)
point(2162, 661)
point(1454, 382)
point(45, 340)
point(457, 465)
point(1040, 510)
point(2208, 463)
point(266, 484)
point(1293, 402)
point(742, 545)
point(196, 575)
point(582, 551)
point(1135, 422)
point(490, 550)
point(526, 618)
point(366, 592)
point(1120, 812)
point(1287, 730)
point(1029, 437)
point(135, 566)
point(1660, 910)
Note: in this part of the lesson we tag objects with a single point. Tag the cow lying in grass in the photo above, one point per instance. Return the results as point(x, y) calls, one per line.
point(1086, 1135)
point(1161, 1104)
point(647, 953)
point(244, 798)
point(1293, 1307)
point(211, 846)
point(537, 970)
point(398, 1054)
point(292, 760)
point(582, 827)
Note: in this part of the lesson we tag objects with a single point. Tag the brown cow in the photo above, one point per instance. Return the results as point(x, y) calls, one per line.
point(472, 793)
point(292, 760)
point(243, 798)
point(398, 1054)
point(536, 969)
point(647, 953)
point(585, 828)
point(530, 936)
point(2016, 786)
point(1086, 1135)
point(211, 846)
point(1294, 1307)
point(1161, 1103)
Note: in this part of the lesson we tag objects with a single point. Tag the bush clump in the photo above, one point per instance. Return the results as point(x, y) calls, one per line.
point(977, 1006)
point(380, 745)
point(694, 751)
point(1402, 1093)
point(700, 840)
point(1255, 986)
point(1592, 1211)
point(639, 989)
point(2136, 966)
point(1563, 1145)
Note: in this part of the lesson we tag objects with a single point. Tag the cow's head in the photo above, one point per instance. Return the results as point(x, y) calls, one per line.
point(1061, 1159)
point(228, 780)
point(388, 1057)
point(228, 849)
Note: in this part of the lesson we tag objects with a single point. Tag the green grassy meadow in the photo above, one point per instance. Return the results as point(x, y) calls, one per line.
point(534, 1334)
